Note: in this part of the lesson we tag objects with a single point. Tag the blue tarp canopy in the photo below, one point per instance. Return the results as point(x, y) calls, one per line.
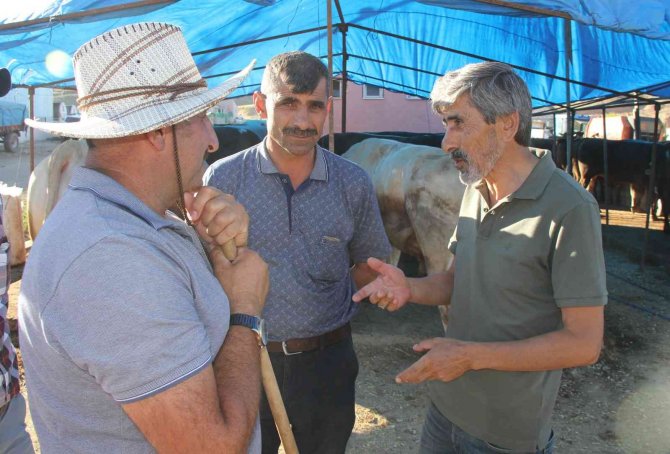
point(615, 46)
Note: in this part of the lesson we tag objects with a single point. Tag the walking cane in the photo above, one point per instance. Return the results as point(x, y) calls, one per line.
point(277, 404)
point(270, 383)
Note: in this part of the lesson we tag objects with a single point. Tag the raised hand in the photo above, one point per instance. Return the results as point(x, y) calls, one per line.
point(217, 217)
point(390, 290)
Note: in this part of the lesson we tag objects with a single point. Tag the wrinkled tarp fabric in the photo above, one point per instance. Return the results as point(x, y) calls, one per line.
point(398, 45)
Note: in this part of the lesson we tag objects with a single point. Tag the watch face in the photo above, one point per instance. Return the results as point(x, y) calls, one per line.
point(261, 332)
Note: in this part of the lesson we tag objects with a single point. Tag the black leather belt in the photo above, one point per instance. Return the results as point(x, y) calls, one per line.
point(295, 346)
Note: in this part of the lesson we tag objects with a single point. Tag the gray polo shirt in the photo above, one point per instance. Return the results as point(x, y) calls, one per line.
point(117, 304)
point(517, 264)
point(309, 237)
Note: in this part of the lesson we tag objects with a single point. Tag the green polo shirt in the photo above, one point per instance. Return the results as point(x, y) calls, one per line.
point(517, 264)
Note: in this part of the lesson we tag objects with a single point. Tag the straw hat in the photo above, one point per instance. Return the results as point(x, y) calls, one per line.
point(136, 79)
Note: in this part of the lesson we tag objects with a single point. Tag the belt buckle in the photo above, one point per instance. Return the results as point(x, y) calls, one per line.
point(286, 352)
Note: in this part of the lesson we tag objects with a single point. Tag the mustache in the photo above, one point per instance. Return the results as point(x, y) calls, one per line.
point(459, 154)
point(299, 132)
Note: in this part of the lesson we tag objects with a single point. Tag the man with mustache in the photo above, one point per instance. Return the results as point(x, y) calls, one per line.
point(313, 216)
point(526, 286)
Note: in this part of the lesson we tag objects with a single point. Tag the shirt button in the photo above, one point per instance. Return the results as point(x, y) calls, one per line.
point(486, 210)
point(284, 180)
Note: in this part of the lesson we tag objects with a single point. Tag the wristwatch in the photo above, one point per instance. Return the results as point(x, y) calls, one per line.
point(255, 324)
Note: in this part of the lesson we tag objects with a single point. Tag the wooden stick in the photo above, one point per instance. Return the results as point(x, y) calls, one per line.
point(230, 250)
point(277, 404)
point(270, 383)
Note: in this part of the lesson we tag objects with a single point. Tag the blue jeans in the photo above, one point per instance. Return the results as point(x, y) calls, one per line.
point(440, 436)
point(318, 389)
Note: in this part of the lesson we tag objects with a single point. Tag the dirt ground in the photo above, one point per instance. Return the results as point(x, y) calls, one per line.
point(619, 405)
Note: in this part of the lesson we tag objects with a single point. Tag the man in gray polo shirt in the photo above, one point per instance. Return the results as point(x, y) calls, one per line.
point(313, 216)
point(526, 284)
point(127, 331)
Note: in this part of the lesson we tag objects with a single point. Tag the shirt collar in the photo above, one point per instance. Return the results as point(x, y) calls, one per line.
point(534, 185)
point(539, 177)
point(110, 190)
point(319, 172)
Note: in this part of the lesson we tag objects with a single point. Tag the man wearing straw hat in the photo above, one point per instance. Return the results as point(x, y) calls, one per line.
point(314, 215)
point(125, 329)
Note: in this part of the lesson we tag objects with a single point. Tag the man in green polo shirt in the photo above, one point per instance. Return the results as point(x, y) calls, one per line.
point(526, 286)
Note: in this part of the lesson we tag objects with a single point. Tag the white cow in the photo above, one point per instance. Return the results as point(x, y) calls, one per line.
point(12, 223)
point(419, 195)
point(50, 179)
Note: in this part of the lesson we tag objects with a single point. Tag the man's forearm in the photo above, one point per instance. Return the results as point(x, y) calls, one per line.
point(432, 290)
point(555, 350)
point(238, 379)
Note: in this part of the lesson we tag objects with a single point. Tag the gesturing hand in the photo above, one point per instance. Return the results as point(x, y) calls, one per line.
point(390, 290)
point(446, 359)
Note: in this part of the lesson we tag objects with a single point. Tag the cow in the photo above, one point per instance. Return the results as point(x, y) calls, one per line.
point(12, 223)
point(419, 194)
point(50, 179)
point(556, 147)
point(628, 164)
point(663, 184)
point(234, 138)
point(344, 141)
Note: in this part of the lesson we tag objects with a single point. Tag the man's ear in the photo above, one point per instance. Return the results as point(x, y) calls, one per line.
point(259, 104)
point(329, 104)
point(508, 126)
point(158, 138)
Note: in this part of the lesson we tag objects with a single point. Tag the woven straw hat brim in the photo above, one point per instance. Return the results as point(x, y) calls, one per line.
point(152, 117)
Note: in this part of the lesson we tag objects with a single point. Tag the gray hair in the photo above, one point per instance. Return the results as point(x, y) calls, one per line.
point(301, 71)
point(493, 88)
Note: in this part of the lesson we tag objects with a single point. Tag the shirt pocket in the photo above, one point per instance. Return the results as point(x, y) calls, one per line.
point(329, 260)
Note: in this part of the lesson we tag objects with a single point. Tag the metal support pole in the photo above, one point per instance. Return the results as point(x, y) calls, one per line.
point(554, 135)
point(568, 133)
point(652, 182)
point(329, 90)
point(606, 167)
point(343, 84)
point(637, 120)
point(31, 94)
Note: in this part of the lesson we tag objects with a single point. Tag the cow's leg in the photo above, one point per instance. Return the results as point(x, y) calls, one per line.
point(433, 244)
point(638, 198)
point(36, 198)
point(394, 258)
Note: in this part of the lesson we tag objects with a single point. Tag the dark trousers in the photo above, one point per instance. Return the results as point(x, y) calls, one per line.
point(318, 389)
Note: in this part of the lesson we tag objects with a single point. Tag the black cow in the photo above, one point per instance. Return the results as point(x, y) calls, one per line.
point(234, 138)
point(343, 141)
point(628, 162)
point(663, 183)
point(557, 149)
